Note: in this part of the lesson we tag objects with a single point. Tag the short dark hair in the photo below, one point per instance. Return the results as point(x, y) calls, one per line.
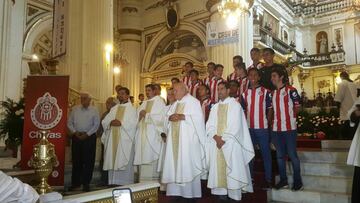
point(238, 57)
point(194, 71)
point(270, 50)
point(281, 72)
point(126, 90)
point(141, 94)
point(151, 86)
point(254, 69)
point(206, 87)
point(156, 85)
point(189, 63)
point(255, 49)
point(218, 66)
point(211, 63)
point(235, 82)
point(176, 79)
point(117, 87)
point(241, 66)
point(226, 84)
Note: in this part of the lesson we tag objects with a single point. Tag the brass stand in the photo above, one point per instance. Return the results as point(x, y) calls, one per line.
point(43, 160)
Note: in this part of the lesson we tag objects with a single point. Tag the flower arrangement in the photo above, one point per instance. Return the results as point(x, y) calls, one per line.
point(12, 122)
point(321, 125)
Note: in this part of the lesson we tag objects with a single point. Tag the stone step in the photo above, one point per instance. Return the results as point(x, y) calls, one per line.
point(336, 144)
point(307, 196)
point(324, 183)
point(324, 156)
point(323, 169)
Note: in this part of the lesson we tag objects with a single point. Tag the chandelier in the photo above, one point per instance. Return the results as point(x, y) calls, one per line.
point(232, 9)
point(228, 7)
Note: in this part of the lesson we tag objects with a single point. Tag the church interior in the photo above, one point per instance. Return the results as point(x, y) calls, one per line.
point(98, 45)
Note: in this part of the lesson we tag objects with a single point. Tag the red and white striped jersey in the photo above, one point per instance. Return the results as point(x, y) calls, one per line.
point(244, 85)
point(193, 87)
point(258, 66)
point(213, 89)
point(206, 105)
point(206, 81)
point(284, 100)
point(186, 80)
point(233, 76)
point(255, 103)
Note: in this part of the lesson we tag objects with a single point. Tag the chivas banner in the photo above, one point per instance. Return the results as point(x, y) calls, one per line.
point(46, 101)
point(219, 33)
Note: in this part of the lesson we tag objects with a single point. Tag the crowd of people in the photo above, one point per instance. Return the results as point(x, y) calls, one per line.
point(206, 129)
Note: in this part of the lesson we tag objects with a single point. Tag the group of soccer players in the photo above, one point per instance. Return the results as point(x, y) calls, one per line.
point(270, 104)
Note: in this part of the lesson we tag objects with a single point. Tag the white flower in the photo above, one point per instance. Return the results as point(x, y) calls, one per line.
point(18, 113)
point(21, 110)
point(14, 105)
point(22, 117)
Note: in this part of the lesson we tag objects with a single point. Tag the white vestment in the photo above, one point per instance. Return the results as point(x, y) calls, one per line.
point(148, 140)
point(354, 152)
point(229, 172)
point(119, 144)
point(184, 160)
point(163, 144)
point(13, 190)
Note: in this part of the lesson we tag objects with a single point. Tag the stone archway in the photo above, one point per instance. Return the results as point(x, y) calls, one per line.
point(165, 34)
point(38, 40)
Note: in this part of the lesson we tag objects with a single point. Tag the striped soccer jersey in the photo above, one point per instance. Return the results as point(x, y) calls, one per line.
point(256, 102)
point(284, 100)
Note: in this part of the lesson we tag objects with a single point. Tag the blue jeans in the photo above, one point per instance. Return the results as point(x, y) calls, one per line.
point(285, 143)
point(262, 138)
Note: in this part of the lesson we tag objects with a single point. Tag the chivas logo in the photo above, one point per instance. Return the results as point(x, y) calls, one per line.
point(46, 114)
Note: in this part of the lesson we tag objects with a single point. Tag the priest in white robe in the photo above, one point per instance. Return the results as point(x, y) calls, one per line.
point(354, 152)
point(170, 102)
point(118, 138)
point(230, 148)
point(148, 139)
point(184, 160)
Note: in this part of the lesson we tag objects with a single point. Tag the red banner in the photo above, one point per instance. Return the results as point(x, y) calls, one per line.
point(46, 104)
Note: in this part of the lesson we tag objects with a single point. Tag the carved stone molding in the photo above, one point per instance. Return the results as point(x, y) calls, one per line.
point(211, 3)
point(129, 9)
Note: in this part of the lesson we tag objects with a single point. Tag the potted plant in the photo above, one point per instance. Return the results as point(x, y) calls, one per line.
point(12, 123)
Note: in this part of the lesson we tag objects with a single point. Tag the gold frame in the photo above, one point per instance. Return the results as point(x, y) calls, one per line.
point(144, 196)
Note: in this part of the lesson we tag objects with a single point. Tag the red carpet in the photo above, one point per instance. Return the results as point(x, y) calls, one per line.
point(305, 142)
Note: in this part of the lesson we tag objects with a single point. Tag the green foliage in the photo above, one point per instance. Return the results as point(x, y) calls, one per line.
point(12, 121)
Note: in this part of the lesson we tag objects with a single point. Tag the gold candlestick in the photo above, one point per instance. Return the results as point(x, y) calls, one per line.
point(43, 160)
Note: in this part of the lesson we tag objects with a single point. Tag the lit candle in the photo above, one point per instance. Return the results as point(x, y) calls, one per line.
point(43, 151)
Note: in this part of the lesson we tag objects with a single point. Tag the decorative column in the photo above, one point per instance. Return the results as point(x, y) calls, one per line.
point(90, 28)
point(12, 28)
point(129, 28)
point(223, 54)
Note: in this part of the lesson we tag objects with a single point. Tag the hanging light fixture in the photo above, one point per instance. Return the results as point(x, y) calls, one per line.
point(232, 9)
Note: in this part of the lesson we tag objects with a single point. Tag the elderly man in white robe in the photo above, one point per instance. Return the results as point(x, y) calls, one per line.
point(230, 148)
point(148, 139)
point(184, 160)
point(354, 153)
point(118, 139)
